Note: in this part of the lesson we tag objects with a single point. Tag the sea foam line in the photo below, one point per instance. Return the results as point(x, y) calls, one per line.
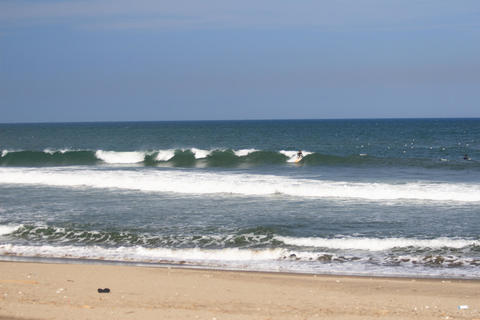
point(139, 253)
point(377, 244)
point(261, 260)
point(190, 182)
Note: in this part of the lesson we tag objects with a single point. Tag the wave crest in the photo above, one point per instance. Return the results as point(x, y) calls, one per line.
point(213, 157)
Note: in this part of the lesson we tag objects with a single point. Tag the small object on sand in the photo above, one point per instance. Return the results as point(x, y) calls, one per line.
point(106, 290)
point(462, 307)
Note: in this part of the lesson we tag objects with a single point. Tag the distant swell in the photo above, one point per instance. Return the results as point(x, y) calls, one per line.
point(192, 157)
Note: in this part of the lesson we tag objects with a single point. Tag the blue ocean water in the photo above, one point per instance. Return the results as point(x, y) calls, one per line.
point(373, 197)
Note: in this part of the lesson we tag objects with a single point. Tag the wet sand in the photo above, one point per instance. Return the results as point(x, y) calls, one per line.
point(69, 291)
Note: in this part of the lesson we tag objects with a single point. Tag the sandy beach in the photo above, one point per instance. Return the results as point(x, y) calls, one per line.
point(60, 291)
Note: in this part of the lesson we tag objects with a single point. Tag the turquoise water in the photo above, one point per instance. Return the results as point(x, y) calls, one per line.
point(376, 197)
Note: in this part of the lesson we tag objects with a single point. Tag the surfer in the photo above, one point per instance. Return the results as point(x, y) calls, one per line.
point(299, 154)
point(465, 157)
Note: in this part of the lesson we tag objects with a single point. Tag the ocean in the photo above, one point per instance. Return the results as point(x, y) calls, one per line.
point(379, 197)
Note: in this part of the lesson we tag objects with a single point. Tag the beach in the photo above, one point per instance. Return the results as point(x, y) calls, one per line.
point(235, 160)
point(59, 291)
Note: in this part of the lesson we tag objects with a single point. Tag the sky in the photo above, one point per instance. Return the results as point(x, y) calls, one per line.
point(154, 60)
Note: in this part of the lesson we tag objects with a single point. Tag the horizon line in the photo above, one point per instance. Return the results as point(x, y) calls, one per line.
point(238, 120)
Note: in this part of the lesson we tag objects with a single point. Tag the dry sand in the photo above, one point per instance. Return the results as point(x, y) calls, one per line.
point(69, 291)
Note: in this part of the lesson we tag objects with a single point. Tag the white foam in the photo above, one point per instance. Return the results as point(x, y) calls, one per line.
point(52, 151)
point(165, 155)
point(292, 155)
point(376, 244)
point(7, 229)
point(191, 182)
point(244, 152)
point(139, 253)
point(5, 152)
point(252, 259)
point(115, 157)
point(199, 153)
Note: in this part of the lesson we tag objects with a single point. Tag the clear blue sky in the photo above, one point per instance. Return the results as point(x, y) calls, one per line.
point(135, 60)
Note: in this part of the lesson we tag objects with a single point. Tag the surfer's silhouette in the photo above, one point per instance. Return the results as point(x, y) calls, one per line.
point(299, 154)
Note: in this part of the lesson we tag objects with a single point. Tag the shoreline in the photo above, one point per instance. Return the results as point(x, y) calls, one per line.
point(187, 266)
point(32, 290)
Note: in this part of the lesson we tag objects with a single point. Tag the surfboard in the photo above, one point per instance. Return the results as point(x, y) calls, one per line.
point(298, 159)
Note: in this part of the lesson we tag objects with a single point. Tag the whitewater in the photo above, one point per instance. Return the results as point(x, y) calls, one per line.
point(239, 183)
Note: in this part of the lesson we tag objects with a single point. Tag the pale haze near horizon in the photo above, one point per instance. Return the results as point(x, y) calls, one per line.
point(140, 60)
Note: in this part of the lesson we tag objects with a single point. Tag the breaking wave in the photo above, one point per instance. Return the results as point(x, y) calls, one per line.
point(81, 235)
point(257, 237)
point(259, 249)
point(214, 158)
point(7, 229)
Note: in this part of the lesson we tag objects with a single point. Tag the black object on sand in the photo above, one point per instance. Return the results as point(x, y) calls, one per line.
point(106, 290)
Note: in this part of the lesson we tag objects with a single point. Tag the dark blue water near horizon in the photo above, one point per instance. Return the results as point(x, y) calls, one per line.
point(373, 196)
point(262, 134)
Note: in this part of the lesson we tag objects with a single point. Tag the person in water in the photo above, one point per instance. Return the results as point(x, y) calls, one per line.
point(465, 157)
point(299, 154)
